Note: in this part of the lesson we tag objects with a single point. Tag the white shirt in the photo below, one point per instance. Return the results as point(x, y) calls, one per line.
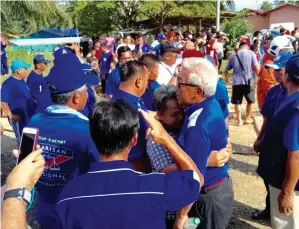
point(132, 47)
point(165, 73)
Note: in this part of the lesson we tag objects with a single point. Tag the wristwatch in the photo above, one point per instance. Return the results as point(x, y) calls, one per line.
point(20, 194)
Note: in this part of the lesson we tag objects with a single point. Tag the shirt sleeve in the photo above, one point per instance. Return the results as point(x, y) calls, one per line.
point(254, 59)
point(291, 133)
point(158, 155)
point(5, 93)
point(181, 188)
point(197, 145)
point(266, 109)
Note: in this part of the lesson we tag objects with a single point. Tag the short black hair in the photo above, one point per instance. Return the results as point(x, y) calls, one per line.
point(256, 33)
point(112, 125)
point(162, 95)
point(92, 48)
point(242, 43)
point(130, 69)
point(104, 45)
point(149, 59)
point(122, 49)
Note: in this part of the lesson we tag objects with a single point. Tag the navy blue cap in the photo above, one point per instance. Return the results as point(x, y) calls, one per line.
point(69, 77)
point(40, 58)
point(65, 55)
point(292, 67)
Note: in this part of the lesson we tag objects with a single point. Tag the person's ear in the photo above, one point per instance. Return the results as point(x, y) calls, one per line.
point(138, 82)
point(134, 140)
point(76, 98)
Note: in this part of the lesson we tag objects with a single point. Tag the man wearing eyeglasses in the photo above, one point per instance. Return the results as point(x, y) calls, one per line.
point(203, 131)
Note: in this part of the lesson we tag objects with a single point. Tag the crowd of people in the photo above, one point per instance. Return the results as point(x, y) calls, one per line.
point(154, 149)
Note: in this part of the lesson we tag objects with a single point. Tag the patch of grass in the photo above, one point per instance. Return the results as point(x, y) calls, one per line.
point(26, 56)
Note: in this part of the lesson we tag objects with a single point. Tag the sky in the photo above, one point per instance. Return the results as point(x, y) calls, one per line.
point(252, 4)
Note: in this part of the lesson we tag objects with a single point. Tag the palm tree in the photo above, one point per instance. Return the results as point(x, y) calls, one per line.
point(228, 4)
point(28, 16)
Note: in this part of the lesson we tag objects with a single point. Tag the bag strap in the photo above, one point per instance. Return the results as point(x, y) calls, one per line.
point(241, 65)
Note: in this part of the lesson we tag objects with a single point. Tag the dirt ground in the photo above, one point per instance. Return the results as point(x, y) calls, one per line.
point(248, 186)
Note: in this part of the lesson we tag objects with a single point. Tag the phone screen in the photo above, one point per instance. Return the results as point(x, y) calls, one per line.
point(27, 145)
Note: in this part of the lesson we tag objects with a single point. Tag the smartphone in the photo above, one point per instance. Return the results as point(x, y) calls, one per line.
point(28, 142)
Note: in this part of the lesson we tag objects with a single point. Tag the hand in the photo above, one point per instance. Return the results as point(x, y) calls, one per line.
point(16, 117)
point(94, 65)
point(180, 221)
point(190, 45)
point(218, 158)
point(257, 145)
point(286, 202)
point(27, 172)
point(228, 148)
point(155, 130)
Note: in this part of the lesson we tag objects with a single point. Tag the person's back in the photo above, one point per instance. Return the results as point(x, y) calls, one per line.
point(112, 194)
point(221, 95)
point(247, 58)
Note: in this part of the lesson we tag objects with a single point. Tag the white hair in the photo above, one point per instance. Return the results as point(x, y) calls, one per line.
point(202, 73)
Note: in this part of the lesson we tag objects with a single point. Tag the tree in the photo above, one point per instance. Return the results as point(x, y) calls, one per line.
point(29, 16)
point(266, 5)
point(236, 27)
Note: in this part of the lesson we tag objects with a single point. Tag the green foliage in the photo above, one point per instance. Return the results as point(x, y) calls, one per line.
point(235, 28)
point(266, 5)
point(23, 16)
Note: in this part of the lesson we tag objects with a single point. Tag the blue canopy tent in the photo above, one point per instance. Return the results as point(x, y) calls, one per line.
point(44, 33)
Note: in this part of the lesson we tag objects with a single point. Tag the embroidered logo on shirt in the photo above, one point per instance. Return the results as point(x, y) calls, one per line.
point(193, 118)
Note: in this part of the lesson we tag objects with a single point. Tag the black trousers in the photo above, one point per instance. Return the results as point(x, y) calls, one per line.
point(214, 207)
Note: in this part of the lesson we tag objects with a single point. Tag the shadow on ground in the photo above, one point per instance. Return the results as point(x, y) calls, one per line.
point(8, 161)
point(243, 150)
point(242, 167)
point(241, 214)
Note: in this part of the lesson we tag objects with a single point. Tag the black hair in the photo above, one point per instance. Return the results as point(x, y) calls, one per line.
point(130, 69)
point(242, 43)
point(149, 59)
point(256, 33)
point(104, 45)
point(92, 48)
point(162, 95)
point(96, 41)
point(112, 126)
point(122, 49)
point(253, 47)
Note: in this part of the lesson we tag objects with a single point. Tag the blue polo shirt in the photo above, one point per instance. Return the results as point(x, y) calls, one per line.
point(146, 48)
point(148, 96)
point(203, 131)
point(39, 90)
point(113, 81)
point(221, 95)
point(67, 148)
point(136, 103)
point(106, 61)
point(16, 94)
point(113, 195)
point(281, 135)
point(275, 96)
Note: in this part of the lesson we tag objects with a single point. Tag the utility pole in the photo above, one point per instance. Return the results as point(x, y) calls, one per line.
point(218, 16)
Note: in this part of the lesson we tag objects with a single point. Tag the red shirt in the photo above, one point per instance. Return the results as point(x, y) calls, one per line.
point(210, 50)
point(99, 53)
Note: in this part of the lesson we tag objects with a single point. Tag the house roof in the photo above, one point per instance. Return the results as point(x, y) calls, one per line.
point(258, 12)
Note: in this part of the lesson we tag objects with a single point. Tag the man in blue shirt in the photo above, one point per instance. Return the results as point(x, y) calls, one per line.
point(105, 65)
point(279, 163)
point(37, 85)
point(275, 96)
point(203, 131)
point(134, 78)
point(221, 95)
point(124, 54)
point(142, 47)
point(112, 194)
point(64, 138)
point(152, 65)
point(16, 100)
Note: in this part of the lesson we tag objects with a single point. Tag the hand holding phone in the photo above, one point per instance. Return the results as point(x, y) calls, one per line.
point(28, 142)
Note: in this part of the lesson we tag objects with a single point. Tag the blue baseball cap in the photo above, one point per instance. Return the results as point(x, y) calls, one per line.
point(40, 58)
point(292, 67)
point(65, 55)
point(18, 64)
point(69, 77)
point(280, 61)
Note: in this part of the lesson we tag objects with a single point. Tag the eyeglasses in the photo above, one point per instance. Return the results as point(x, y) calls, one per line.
point(186, 84)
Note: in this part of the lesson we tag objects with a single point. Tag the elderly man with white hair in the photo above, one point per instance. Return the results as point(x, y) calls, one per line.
point(203, 131)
